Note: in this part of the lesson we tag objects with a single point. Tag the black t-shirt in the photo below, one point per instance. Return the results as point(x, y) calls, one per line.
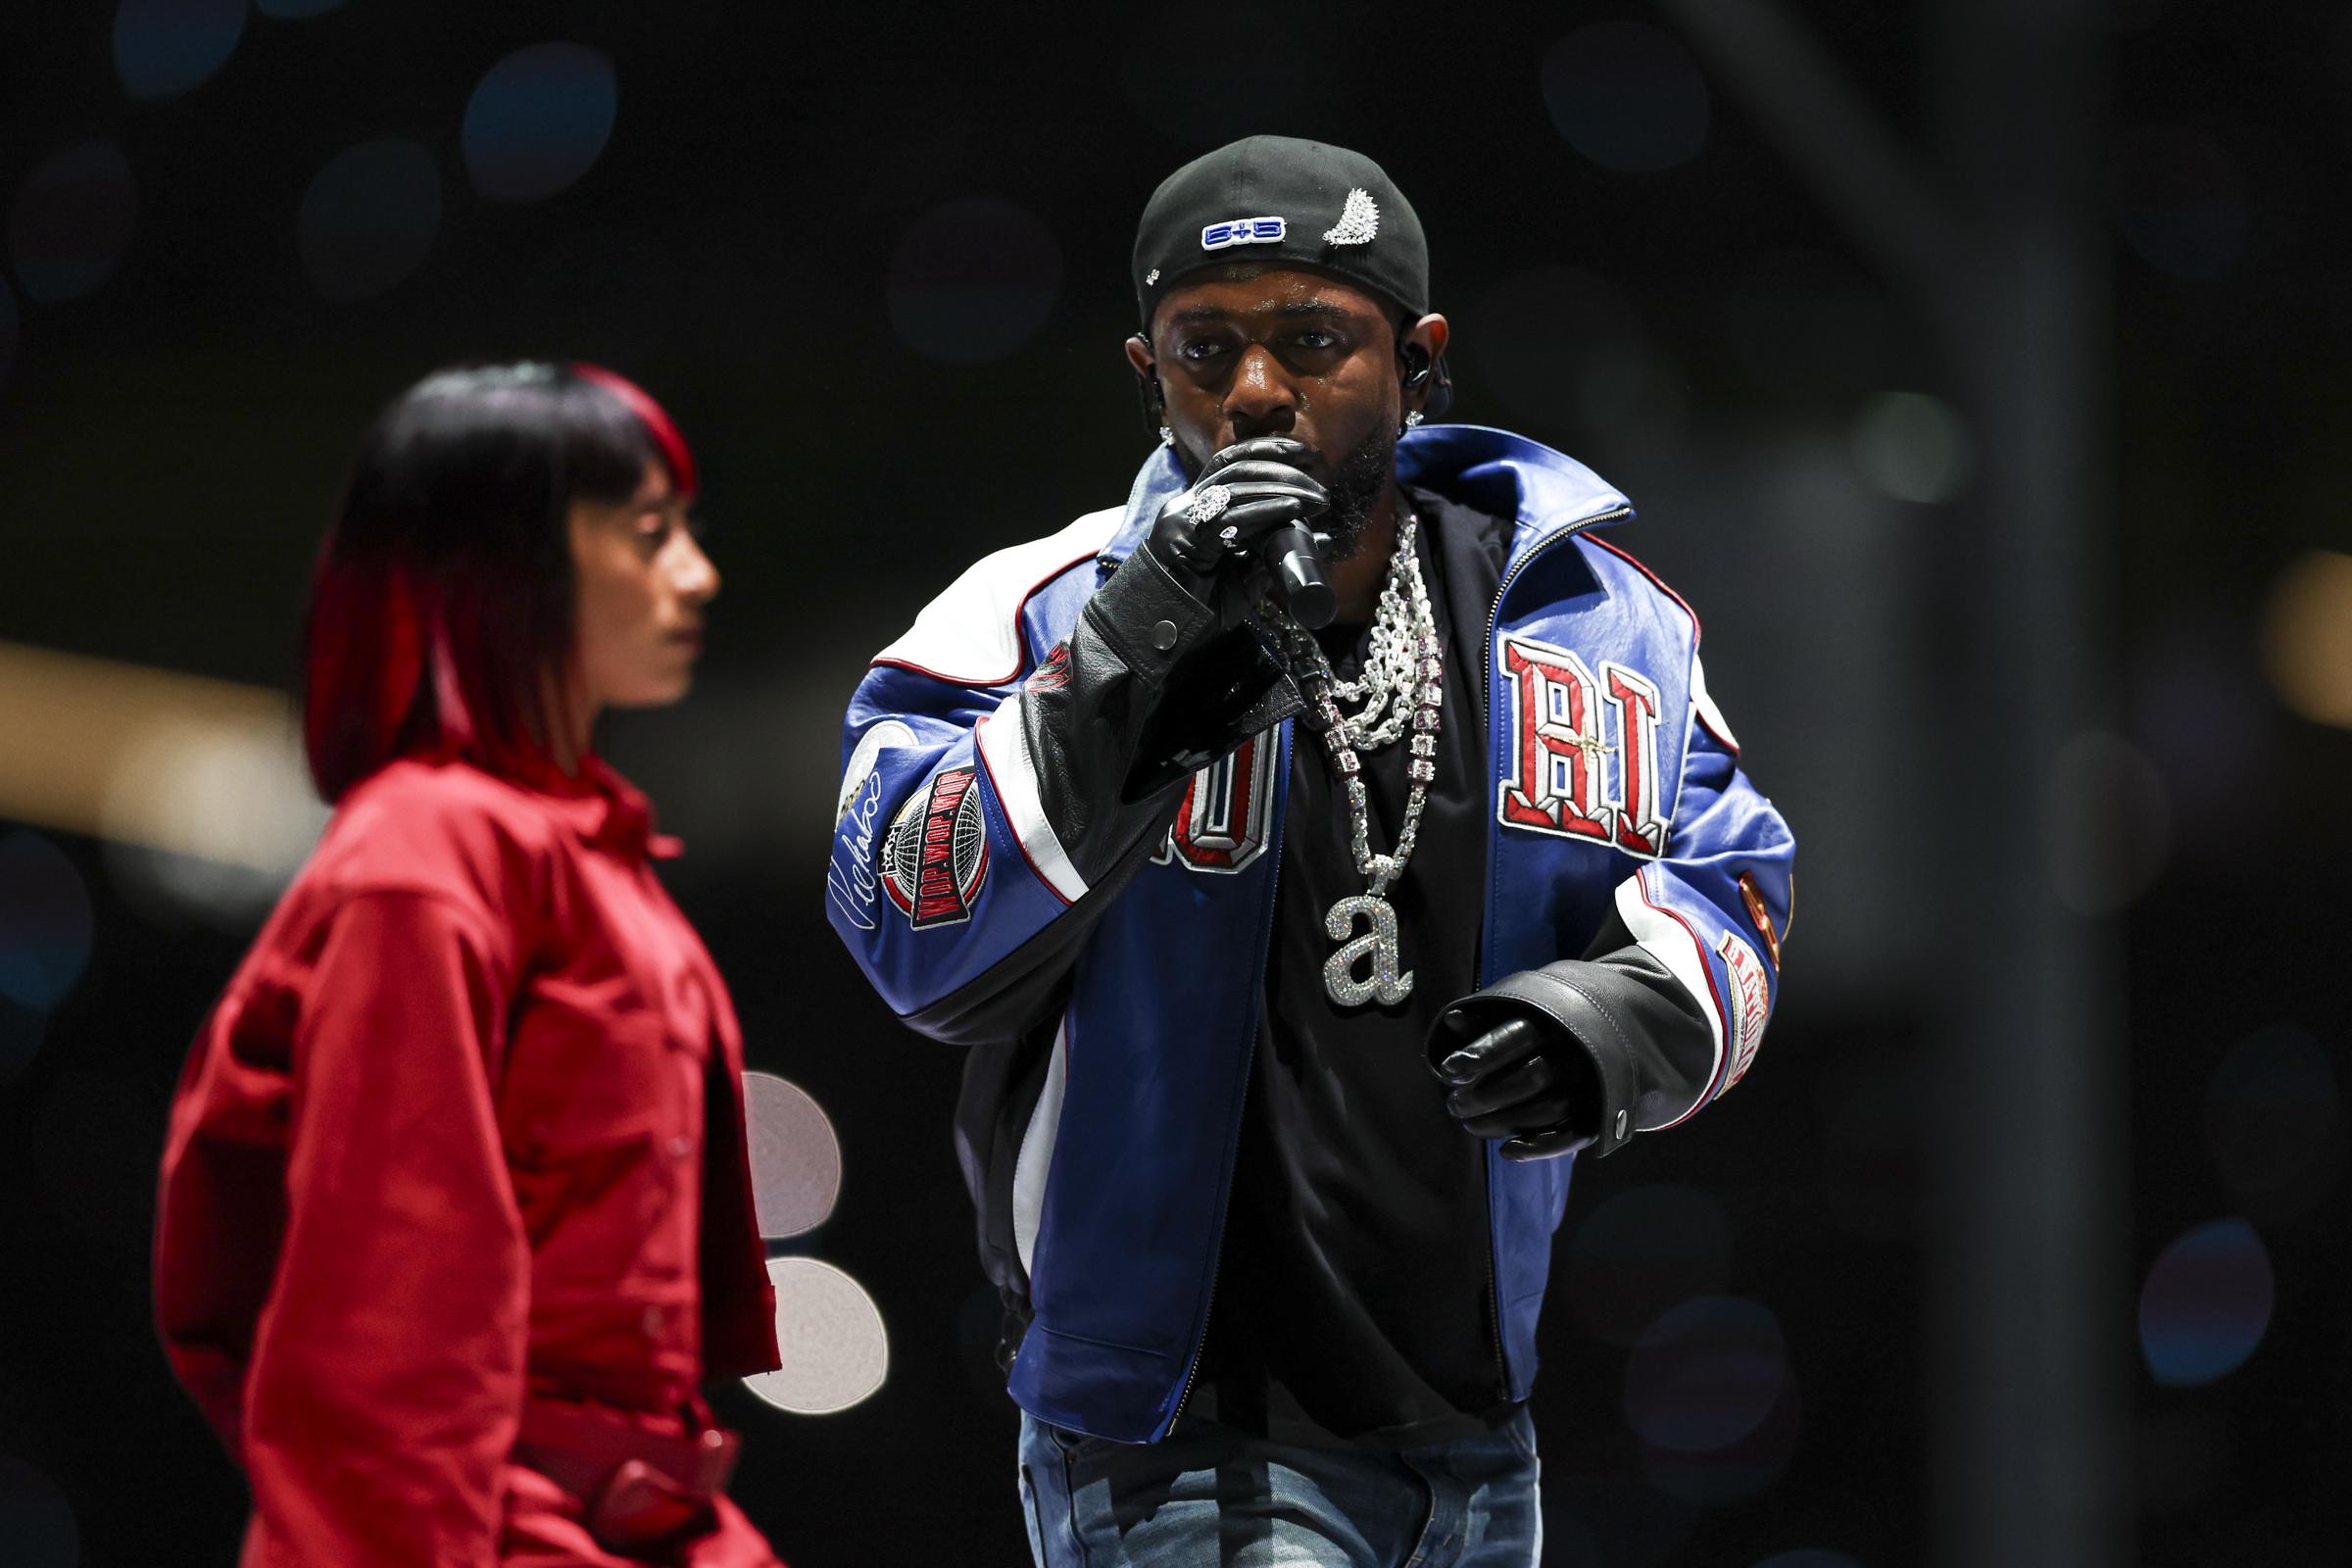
point(1354, 1295)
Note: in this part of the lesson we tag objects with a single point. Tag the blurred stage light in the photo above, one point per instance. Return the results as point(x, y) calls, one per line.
point(2110, 823)
point(2207, 1303)
point(35, 1520)
point(2307, 637)
point(2182, 203)
point(235, 806)
point(835, 1351)
point(44, 921)
point(539, 121)
point(368, 218)
point(1640, 1252)
point(1627, 95)
point(197, 784)
point(291, 9)
point(1912, 446)
point(163, 47)
point(796, 1159)
point(1706, 1374)
point(974, 279)
point(2271, 1111)
point(72, 221)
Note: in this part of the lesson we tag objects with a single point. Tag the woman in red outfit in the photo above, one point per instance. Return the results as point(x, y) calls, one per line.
point(455, 1211)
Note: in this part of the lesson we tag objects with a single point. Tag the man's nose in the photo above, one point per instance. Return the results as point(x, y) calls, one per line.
point(1261, 400)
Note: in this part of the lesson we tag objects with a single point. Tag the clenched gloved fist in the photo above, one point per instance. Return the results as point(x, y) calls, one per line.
point(1244, 493)
point(1526, 1082)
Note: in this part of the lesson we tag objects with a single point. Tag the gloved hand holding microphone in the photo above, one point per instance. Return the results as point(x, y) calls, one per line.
point(1249, 507)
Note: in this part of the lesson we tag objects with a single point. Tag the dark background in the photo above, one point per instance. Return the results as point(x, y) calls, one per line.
point(874, 260)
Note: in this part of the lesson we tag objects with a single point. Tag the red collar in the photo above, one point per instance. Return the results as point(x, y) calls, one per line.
point(606, 810)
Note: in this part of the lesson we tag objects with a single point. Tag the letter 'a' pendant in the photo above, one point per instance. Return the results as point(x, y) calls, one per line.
point(1384, 984)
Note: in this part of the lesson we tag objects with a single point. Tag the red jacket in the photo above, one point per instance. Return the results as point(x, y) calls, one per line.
point(452, 1134)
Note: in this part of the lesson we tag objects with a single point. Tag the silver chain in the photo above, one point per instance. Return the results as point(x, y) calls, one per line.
point(1400, 688)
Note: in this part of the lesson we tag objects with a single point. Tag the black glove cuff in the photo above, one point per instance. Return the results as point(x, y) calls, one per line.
point(1570, 1011)
point(1149, 617)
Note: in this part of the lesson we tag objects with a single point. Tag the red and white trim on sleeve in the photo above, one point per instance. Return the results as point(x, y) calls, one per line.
point(1668, 937)
point(972, 633)
point(1002, 743)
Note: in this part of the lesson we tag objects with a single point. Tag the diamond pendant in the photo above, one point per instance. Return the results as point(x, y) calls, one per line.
point(1384, 984)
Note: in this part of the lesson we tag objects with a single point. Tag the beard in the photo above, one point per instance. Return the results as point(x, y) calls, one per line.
point(1355, 489)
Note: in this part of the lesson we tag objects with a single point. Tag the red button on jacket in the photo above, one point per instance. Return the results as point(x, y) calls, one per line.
point(427, 1156)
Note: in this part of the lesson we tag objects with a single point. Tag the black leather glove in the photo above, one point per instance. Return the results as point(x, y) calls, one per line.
point(1243, 494)
point(1520, 1079)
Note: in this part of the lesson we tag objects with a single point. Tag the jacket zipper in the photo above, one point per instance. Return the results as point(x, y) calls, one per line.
point(1216, 1262)
point(1486, 691)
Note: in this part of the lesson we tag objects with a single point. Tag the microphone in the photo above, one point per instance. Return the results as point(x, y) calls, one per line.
point(1299, 568)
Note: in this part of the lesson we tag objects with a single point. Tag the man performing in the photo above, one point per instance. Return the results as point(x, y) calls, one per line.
point(1295, 965)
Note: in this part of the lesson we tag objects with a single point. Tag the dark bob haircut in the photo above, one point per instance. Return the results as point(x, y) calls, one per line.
point(441, 610)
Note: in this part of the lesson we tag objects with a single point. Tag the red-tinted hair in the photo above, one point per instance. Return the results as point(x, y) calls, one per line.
point(441, 609)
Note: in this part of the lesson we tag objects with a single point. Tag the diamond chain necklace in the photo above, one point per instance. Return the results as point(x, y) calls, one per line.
point(1398, 691)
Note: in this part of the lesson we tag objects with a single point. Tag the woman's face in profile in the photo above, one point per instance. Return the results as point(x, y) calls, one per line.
point(641, 582)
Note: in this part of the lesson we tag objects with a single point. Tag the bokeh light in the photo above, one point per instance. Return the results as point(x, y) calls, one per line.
point(232, 803)
point(974, 279)
point(72, 221)
point(2307, 637)
point(795, 1156)
point(35, 1520)
point(539, 121)
point(2271, 1111)
point(2182, 202)
point(1640, 1252)
point(295, 9)
point(2110, 821)
point(1627, 95)
point(163, 47)
point(2207, 1303)
point(1912, 446)
point(368, 218)
point(1739, 1470)
point(1706, 1374)
point(835, 1352)
point(45, 922)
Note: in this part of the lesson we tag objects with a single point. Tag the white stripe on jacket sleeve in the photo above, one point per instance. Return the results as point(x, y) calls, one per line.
point(1668, 937)
point(1003, 746)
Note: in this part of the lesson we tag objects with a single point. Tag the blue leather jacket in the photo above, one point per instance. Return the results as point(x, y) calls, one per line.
point(1057, 842)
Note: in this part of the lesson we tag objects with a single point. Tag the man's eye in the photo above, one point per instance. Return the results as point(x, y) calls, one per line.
point(1198, 350)
point(1316, 338)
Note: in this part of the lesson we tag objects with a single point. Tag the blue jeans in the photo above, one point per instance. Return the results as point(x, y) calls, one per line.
point(1212, 1497)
